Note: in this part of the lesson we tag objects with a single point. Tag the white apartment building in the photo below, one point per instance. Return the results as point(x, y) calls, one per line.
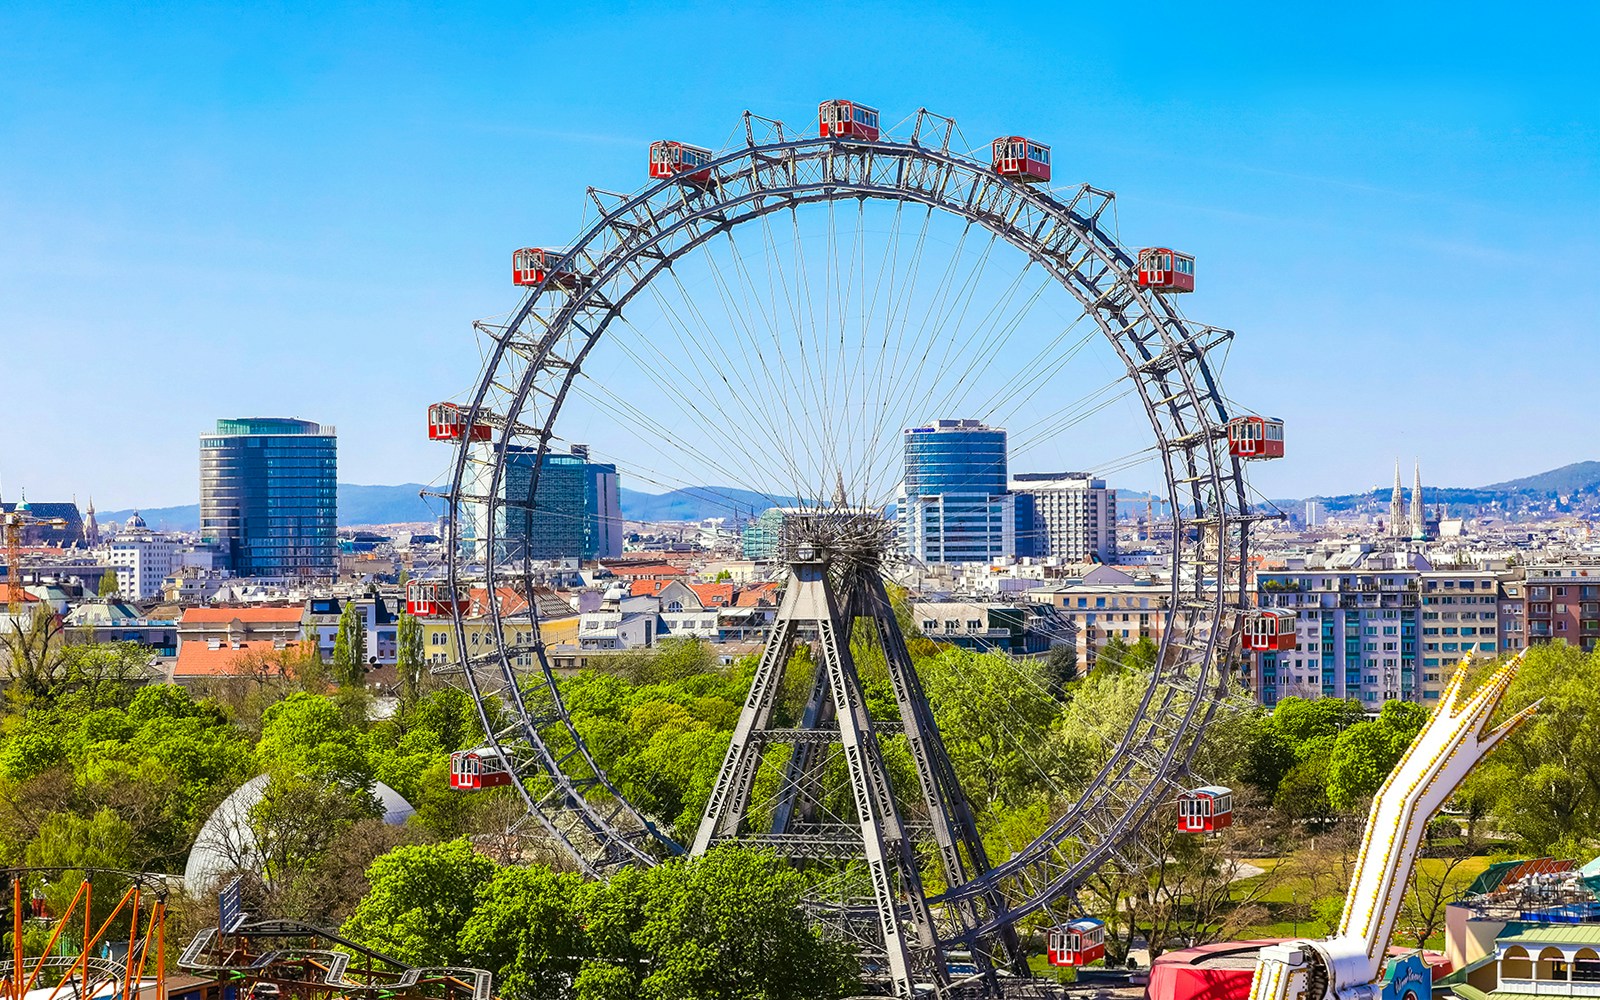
point(1375, 626)
point(1074, 516)
point(143, 560)
point(1108, 603)
point(960, 527)
point(1460, 617)
point(615, 629)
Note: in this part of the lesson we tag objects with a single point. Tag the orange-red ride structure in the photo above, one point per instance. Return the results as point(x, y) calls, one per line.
point(80, 973)
point(14, 521)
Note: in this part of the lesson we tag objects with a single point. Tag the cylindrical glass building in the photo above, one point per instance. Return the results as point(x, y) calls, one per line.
point(955, 506)
point(269, 497)
point(955, 456)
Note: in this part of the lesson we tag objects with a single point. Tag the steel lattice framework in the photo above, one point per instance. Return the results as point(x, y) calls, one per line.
point(534, 357)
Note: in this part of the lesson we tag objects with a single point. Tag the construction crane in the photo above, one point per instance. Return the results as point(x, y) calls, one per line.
point(16, 519)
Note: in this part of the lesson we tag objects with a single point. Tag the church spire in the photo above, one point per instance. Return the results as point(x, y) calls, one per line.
point(1419, 530)
point(91, 527)
point(1396, 505)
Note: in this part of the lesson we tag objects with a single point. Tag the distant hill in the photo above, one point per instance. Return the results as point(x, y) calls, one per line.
point(357, 505)
point(1579, 477)
point(1567, 479)
point(386, 504)
point(360, 504)
point(696, 503)
point(185, 518)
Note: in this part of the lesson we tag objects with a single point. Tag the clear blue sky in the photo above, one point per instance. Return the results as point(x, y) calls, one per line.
point(298, 209)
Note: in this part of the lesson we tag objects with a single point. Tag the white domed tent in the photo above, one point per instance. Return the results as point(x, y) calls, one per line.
point(226, 842)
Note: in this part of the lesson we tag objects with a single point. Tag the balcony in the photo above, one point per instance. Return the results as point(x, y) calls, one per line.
point(1549, 987)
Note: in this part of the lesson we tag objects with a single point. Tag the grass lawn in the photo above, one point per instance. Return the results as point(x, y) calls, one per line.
point(1292, 896)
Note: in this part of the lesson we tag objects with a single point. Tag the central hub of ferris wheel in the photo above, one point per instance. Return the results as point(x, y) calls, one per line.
point(845, 536)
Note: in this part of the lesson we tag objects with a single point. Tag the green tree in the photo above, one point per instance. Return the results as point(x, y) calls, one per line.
point(35, 658)
point(1269, 757)
point(309, 669)
point(1301, 721)
point(67, 840)
point(1142, 655)
point(727, 924)
point(1062, 665)
point(350, 646)
point(296, 821)
point(1112, 655)
point(1545, 777)
point(108, 583)
point(526, 929)
point(1303, 792)
point(994, 712)
point(1401, 722)
point(421, 899)
point(308, 734)
point(409, 664)
point(1363, 756)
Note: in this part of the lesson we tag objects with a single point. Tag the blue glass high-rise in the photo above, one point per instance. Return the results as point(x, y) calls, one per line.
point(269, 497)
point(574, 513)
point(955, 506)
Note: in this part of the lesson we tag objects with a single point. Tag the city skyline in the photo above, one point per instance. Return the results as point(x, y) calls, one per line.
point(317, 208)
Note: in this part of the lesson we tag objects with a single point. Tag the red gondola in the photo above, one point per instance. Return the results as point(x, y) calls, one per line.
point(1269, 630)
point(680, 160)
point(1207, 809)
point(847, 118)
point(1166, 270)
point(1076, 942)
point(530, 266)
point(447, 422)
point(1255, 437)
point(432, 599)
point(474, 770)
point(1022, 159)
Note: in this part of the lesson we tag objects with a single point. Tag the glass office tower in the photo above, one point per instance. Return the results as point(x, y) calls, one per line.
point(575, 512)
point(269, 497)
point(954, 505)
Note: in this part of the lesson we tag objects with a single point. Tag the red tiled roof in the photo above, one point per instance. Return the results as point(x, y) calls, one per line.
point(647, 588)
point(196, 658)
point(549, 604)
point(511, 602)
point(21, 596)
point(264, 616)
point(713, 595)
point(757, 594)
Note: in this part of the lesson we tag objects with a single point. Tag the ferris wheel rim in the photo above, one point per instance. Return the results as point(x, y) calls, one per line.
point(1107, 250)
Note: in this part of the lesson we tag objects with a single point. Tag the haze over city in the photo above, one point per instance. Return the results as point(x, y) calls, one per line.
point(233, 212)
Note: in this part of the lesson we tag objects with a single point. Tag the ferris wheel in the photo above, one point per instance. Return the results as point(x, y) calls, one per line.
point(780, 316)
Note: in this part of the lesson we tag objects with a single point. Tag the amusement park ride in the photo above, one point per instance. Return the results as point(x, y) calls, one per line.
point(75, 960)
point(904, 838)
point(1351, 965)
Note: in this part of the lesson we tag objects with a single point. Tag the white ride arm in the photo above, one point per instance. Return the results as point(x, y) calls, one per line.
point(1348, 966)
